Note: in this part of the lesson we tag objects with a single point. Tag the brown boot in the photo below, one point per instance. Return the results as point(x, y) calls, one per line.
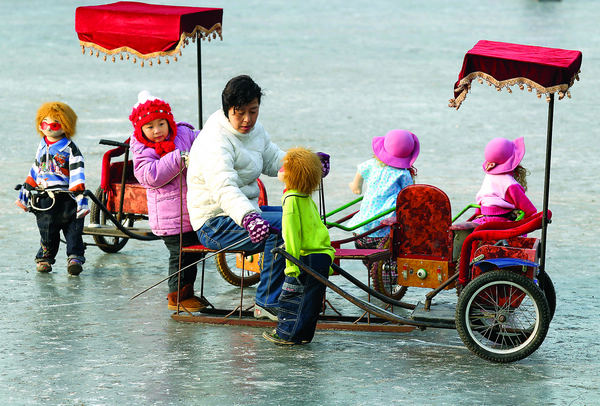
point(187, 300)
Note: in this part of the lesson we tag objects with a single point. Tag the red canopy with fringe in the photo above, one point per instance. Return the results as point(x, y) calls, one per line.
point(144, 30)
point(547, 70)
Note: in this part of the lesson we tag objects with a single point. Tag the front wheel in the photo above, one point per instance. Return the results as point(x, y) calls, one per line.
point(227, 267)
point(97, 216)
point(502, 316)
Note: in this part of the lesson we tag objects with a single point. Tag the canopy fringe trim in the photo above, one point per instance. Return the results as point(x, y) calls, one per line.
point(128, 53)
point(464, 86)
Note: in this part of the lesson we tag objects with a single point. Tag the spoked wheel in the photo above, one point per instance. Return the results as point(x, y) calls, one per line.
point(226, 265)
point(502, 316)
point(546, 285)
point(97, 216)
point(385, 276)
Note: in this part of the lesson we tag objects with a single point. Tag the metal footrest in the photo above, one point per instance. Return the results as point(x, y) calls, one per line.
point(438, 313)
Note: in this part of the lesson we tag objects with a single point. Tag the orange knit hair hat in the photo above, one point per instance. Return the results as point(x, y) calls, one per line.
point(302, 170)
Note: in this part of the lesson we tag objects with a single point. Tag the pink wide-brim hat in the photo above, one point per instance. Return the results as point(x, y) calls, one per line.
point(398, 148)
point(506, 154)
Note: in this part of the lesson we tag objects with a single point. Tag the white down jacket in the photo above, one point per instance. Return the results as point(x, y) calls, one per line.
point(223, 167)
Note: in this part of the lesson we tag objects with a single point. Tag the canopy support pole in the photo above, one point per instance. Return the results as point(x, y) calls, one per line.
point(199, 63)
point(547, 182)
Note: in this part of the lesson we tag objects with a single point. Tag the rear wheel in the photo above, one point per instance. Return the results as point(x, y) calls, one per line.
point(97, 216)
point(385, 276)
point(227, 267)
point(502, 316)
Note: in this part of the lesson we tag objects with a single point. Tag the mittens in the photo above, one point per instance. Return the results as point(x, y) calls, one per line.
point(257, 227)
point(324, 163)
point(82, 206)
point(23, 200)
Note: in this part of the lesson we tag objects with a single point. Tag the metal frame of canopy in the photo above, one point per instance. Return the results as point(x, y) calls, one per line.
point(547, 70)
point(132, 30)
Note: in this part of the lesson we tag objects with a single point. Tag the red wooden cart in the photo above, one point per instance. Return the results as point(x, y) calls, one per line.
point(507, 299)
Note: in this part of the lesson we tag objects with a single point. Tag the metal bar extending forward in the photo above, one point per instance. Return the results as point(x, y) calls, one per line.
point(363, 304)
point(192, 264)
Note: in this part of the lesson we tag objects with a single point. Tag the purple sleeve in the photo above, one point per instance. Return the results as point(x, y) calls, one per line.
point(516, 195)
point(154, 171)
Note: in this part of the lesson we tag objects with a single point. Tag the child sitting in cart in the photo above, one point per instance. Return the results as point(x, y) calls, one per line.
point(386, 174)
point(502, 193)
point(58, 181)
point(307, 239)
point(160, 147)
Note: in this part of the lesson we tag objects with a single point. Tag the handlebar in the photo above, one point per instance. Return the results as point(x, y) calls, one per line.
point(113, 143)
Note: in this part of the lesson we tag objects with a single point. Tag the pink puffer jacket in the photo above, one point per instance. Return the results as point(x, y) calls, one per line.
point(161, 178)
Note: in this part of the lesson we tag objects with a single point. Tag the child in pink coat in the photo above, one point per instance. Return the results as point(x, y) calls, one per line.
point(160, 147)
point(502, 193)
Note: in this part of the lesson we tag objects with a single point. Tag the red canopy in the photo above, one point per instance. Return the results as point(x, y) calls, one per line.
point(548, 70)
point(145, 30)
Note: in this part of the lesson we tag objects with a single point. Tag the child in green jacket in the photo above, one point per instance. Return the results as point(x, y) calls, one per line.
point(307, 239)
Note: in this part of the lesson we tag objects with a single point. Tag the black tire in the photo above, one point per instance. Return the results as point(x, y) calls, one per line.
point(497, 329)
point(385, 276)
point(546, 285)
point(226, 265)
point(97, 216)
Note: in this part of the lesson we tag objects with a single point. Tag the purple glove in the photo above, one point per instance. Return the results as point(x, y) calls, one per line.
point(257, 227)
point(324, 163)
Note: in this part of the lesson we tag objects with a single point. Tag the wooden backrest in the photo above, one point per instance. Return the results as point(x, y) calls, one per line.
point(423, 220)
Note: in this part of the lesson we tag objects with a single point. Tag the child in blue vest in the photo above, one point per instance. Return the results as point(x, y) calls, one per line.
point(57, 176)
point(307, 239)
point(385, 175)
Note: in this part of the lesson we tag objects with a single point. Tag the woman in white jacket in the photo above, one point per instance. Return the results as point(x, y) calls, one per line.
point(231, 152)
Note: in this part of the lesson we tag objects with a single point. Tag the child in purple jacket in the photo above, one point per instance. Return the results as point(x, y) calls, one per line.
point(160, 148)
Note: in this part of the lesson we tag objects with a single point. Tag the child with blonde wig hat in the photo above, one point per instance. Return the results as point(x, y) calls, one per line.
point(307, 239)
point(58, 167)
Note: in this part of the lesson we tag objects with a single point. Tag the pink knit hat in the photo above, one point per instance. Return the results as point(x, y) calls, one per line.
point(399, 148)
point(506, 154)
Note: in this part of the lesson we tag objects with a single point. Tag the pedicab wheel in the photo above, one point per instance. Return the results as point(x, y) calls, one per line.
point(546, 285)
point(226, 265)
point(502, 316)
point(385, 276)
point(97, 216)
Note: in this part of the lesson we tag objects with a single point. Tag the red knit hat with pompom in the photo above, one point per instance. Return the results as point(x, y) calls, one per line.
point(147, 109)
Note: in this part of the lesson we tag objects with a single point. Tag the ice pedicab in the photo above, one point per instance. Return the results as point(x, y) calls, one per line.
point(507, 299)
point(147, 34)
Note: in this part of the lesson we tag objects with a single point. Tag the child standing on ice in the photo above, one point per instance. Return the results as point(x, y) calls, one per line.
point(58, 178)
point(160, 147)
point(386, 174)
point(307, 239)
point(502, 192)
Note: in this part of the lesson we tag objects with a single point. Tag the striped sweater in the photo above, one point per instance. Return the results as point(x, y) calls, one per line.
point(57, 166)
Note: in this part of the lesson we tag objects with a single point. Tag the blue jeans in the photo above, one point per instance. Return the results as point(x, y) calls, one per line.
point(50, 223)
point(220, 232)
point(301, 301)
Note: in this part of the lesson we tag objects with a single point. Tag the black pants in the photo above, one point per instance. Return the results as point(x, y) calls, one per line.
point(60, 216)
point(188, 276)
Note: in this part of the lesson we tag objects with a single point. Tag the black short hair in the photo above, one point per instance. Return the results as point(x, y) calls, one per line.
point(238, 92)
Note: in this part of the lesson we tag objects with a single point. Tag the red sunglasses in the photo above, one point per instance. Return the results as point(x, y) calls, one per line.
point(52, 126)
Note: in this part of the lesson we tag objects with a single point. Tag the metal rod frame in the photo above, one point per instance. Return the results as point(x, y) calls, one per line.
point(547, 183)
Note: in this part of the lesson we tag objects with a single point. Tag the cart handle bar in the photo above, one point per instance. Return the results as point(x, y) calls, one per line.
point(116, 222)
